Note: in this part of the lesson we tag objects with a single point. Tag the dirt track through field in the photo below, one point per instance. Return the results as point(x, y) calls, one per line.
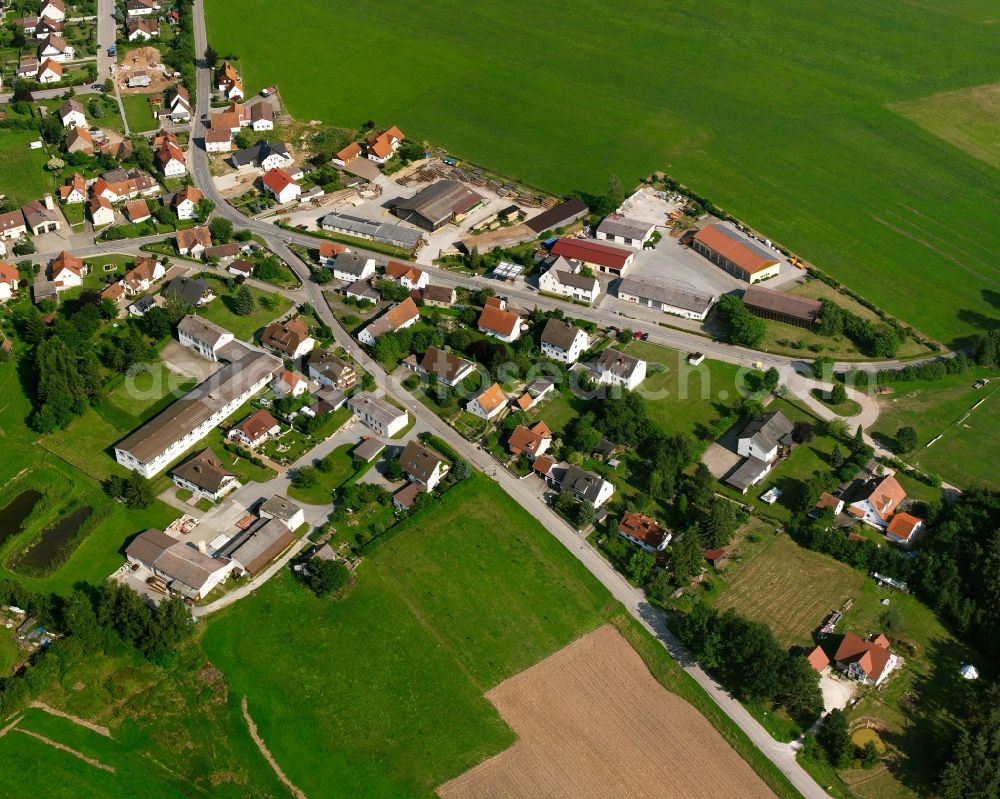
point(64, 748)
point(98, 728)
point(594, 724)
point(296, 792)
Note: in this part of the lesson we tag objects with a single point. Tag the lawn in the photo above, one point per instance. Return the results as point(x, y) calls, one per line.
point(782, 119)
point(846, 408)
point(406, 657)
point(221, 311)
point(969, 447)
point(138, 112)
point(22, 171)
point(342, 467)
point(10, 655)
point(786, 587)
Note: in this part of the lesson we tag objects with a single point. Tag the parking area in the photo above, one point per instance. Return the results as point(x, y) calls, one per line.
point(837, 691)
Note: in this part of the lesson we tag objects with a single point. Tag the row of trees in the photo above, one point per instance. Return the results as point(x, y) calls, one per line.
point(743, 327)
point(746, 658)
point(876, 339)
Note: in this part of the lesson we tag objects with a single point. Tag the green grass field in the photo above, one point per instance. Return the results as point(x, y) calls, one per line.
point(786, 587)
point(220, 311)
point(138, 112)
point(781, 118)
point(22, 171)
point(390, 680)
point(9, 653)
point(969, 447)
point(342, 467)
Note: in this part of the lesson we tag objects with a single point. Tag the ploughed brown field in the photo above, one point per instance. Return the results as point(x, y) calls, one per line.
point(592, 723)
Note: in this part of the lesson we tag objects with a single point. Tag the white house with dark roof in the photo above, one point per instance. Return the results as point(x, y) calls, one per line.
point(422, 465)
point(562, 341)
point(615, 368)
point(674, 301)
point(382, 417)
point(765, 437)
point(561, 279)
point(204, 337)
point(352, 266)
point(623, 230)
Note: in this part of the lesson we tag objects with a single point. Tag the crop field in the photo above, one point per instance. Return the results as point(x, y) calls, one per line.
point(969, 447)
point(408, 655)
point(788, 588)
point(782, 118)
point(578, 714)
point(22, 171)
point(968, 118)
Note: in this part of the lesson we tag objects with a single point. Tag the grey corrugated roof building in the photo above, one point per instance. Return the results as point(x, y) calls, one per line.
point(437, 204)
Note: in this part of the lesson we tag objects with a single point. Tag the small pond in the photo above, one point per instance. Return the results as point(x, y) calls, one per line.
point(13, 516)
point(43, 552)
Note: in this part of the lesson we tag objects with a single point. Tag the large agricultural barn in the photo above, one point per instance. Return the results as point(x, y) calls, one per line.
point(770, 304)
point(594, 254)
point(728, 248)
point(438, 204)
point(689, 304)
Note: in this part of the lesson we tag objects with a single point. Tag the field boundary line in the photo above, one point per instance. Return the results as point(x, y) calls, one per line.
point(70, 750)
point(10, 726)
point(100, 729)
point(252, 727)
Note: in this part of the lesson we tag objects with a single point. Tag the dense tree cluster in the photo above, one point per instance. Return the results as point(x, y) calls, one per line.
point(325, 576)
point(743, 327)
point(749, 662)
point(876, 339)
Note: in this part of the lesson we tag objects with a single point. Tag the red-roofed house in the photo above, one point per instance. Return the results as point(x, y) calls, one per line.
point(644, 531)
point(902, 527)
point(530, 441)
point(818, 659)
point(67, 271)
point(407, 275)
point(866, 660)
point(75, 190)
point(171, 159)
point(383, 146)
point(289, 384)
point(602, 257)
point(255, 429)
point(348, 154)
point(488, 403)
point(281, 185)
point(9, 278)
point(137, 211)
point(499, 322)
point(878, 501)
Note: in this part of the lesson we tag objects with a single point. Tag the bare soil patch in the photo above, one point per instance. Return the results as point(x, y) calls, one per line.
point(100, 729)
point(148, 60)
point(252, 726)
point(594, 724)
point(74, 752)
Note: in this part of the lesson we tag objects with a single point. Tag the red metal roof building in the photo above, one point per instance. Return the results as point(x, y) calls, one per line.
point(594, 254)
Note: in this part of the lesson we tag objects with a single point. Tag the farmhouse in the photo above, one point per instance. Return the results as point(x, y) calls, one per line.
point(595, 255)
point(352, 266)
point(186, 570)
point(729, 248)
point(530, 441)
point(396, 235)
point(399, 316)
point(868, 660)
point(251, 550)
point(421, 465)
point(585, 486)
point(407, 275)
point(261, 116)
point(788, 308)
point(438, 204)
point(876, 501)
point(615, 368)
point(329, 370)
point(644, 531)
point(379, 415)
point(281, 185)
point(688, 304)
point(263, 155)
point(188, 420)
point(205, 476)
point(79, 140)
point(622, 230)
point(291, 338)
point(563, 280)
point(382, 146)
point(487, 403)
point(193, 241)
point(445, 366)
point(566, 213)
point(500, 323)
point(253, 431)
point(228, 82)
point(563, 342)
point(218, 140)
